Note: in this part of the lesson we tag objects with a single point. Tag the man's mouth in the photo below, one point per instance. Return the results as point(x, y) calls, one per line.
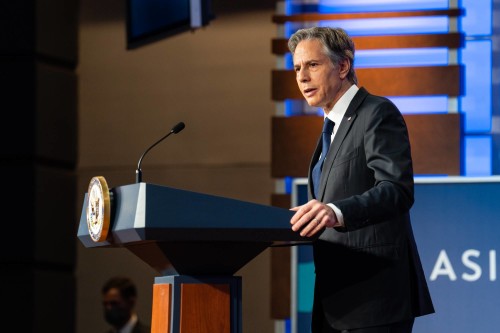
point(309, 92)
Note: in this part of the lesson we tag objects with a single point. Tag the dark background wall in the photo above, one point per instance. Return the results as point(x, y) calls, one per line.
point(77, 104)
point(38, 59)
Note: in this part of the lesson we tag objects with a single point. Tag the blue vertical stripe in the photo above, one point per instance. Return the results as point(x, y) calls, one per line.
point(476, 103)
point(478, 161)
point(477, 20)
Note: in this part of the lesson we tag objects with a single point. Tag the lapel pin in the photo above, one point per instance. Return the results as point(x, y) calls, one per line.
point(349, 119)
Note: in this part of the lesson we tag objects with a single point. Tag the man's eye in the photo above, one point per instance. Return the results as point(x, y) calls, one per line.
point(297, 69)
point(313, 64)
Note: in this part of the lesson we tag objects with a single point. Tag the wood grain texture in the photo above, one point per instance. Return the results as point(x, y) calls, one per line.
point(451, 40)
point(205, 308)
point(393, 81)
point(162, 298)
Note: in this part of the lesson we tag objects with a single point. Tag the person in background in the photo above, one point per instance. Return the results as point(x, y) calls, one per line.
point(119, 296)
point(368, 274)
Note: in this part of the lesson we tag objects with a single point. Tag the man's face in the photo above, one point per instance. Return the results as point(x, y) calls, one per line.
point(117, 311)
point(320, 81)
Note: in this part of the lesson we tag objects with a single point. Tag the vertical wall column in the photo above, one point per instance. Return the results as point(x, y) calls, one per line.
point(38, 57)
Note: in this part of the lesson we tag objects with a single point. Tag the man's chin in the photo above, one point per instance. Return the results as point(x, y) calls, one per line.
point(312, 103)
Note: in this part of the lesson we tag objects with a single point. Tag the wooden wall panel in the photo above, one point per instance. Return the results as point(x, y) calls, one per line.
point(394, 81)
point(316, 17)
point(293, 142)
point(280, 269)
point(280, 200)
point(412, 81)
point(451, 40)
point(435, 141)
point(280, 282)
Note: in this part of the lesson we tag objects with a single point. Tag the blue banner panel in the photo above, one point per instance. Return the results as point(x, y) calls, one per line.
point(456, 222)
point(457, 228)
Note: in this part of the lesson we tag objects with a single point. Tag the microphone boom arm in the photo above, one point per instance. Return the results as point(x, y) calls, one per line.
point(176, 129)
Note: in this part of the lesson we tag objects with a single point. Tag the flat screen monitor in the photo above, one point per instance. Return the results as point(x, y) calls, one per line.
point(151, 20)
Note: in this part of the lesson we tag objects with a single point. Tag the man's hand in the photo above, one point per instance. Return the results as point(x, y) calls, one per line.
point(312, 218)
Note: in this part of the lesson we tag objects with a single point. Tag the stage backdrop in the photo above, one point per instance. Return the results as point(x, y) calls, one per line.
point(456, 222)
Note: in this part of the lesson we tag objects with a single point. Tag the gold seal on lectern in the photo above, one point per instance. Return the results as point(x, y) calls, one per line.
point(98, 209)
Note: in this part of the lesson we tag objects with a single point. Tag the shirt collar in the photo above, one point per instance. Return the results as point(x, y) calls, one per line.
point(129, 326)
point(339, 109)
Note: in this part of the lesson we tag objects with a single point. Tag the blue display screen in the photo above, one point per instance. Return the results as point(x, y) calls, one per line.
point(150, 16)
point(152, 20)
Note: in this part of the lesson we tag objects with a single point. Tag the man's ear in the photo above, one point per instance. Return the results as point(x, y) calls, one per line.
point(344, 68)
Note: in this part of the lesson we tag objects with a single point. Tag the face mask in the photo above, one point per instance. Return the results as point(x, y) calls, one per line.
point(116, 317)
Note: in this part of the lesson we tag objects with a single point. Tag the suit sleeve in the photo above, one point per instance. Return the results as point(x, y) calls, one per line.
point(384, 188)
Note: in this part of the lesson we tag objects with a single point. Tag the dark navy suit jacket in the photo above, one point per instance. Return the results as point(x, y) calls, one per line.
point(138, 328)
point(368, 273)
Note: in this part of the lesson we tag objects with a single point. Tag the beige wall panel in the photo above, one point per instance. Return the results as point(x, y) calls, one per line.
point(216, 80)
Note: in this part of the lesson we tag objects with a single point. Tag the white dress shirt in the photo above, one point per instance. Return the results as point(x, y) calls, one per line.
point(336, 114)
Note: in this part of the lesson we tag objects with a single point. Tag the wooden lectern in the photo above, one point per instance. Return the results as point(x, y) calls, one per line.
point(197, 242)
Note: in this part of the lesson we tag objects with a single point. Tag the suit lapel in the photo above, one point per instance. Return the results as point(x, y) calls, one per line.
point(342, 131)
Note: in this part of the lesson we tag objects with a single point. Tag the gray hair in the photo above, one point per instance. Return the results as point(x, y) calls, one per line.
point(336, 42)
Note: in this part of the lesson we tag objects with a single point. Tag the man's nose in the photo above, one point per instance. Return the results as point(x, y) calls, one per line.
point(302, 75)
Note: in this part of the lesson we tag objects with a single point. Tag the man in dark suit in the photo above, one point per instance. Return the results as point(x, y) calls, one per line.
point(119, 296)
point(369, 278)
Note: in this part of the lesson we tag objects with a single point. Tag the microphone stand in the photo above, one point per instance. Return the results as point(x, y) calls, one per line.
point(138, 173)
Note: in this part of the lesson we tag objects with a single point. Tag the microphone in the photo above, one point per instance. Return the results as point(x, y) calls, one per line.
point(176, 129)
